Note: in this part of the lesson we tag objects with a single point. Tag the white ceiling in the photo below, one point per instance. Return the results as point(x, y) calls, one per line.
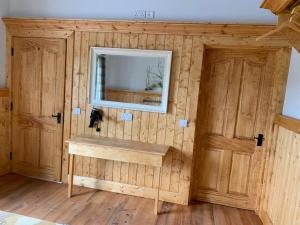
point(216, 11)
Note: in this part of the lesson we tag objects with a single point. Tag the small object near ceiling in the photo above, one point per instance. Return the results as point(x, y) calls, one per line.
point(277, 6)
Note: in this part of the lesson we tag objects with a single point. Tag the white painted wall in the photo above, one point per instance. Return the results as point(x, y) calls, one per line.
point(292, 97)
point(218, 11)
point(3, 12)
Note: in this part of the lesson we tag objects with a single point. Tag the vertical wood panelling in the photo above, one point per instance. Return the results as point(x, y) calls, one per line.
point(93, 163)
point(125, 125)
point(143, 121)
point(131, 128)
point(151, 124)
point(75, 94)
point(146, 127)
point(175, 165)
point(101, 164)
point(4, 134)
point(83, 79)
point(281, 205)
point(119, 133)
point(170, 120)
point(161, 120)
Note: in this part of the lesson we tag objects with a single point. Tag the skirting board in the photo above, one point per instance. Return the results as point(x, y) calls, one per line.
point(265, 218)
point(227, 200)
point(128, 189)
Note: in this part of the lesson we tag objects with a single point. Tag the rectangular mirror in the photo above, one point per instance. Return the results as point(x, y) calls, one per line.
point(130, 79)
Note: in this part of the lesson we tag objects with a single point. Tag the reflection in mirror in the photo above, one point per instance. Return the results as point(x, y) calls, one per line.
point(131, 79)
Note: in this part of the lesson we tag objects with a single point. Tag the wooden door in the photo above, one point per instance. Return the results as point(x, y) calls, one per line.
point(38, 79)
point(235, 95)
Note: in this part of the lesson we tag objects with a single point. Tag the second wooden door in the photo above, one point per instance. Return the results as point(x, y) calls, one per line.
point(38, 79)
point(235, 95)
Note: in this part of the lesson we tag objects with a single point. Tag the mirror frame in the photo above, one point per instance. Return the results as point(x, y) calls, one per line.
point(167, 55)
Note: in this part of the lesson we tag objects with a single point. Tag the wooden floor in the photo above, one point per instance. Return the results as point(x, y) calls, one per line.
point(48, 201)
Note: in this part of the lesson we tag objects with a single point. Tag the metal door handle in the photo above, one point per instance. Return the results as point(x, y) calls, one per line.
point(260, 139)
point(58, 117)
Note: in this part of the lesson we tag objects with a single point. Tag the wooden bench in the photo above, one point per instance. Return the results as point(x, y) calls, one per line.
point(116, 150)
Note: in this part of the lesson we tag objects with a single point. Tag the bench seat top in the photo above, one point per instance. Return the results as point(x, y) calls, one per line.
point(155, 149)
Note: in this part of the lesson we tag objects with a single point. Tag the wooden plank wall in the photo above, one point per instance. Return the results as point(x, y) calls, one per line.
point(4, 132)
point(187, 41)
point(281, 200)
point(146, 127)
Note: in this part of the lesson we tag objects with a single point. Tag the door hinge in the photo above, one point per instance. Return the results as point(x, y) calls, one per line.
point(12, 51)
point(10, 155)
point(11, 106)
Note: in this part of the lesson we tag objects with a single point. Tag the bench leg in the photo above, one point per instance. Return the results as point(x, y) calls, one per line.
point(70, 177)
point(156, 204)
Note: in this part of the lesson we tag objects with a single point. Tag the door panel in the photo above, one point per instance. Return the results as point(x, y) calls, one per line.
point(233, 106)
point(239, 175)
point(249, 96)
point(211, 161)
point(38, 93)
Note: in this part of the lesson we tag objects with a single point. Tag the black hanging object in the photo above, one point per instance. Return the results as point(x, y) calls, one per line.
point(260, 139)
point(96, 118)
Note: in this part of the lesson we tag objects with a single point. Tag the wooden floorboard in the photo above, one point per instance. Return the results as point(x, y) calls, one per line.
point(48, 201)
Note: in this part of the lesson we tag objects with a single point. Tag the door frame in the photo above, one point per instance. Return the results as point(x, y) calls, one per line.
point(67, 35)
point(281, 69)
